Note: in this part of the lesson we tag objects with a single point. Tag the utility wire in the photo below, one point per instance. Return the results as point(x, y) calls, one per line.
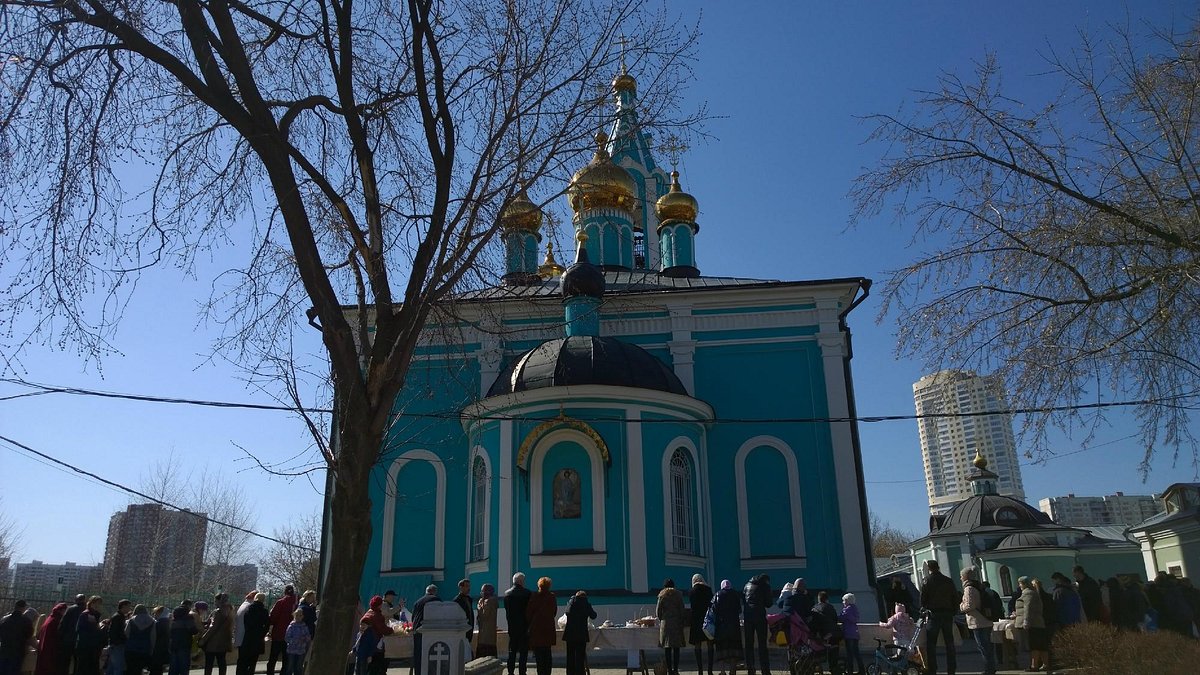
point(455, 414)
point(89, 475)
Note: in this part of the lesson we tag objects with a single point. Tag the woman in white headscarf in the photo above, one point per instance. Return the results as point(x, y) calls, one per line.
point(727, 615)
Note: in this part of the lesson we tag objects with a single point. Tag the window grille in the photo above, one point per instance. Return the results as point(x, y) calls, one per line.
point(683, 529)
point(479, 509)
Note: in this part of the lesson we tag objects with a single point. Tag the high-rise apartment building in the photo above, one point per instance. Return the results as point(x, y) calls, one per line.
point(1118, 509)
point(39, 579)
point(152, 548)
point(958, 401)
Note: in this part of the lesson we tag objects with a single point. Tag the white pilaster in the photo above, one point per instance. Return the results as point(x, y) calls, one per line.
point(508, 525)
point(833, 351)
point(683, 347)
point(638, 566)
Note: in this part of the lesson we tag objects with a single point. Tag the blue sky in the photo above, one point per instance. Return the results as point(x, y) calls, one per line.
point(788, 82)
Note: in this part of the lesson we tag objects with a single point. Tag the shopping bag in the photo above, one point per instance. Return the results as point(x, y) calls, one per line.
point(710, 624)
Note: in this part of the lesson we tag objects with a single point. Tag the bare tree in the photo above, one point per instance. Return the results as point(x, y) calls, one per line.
point(207, 491)
point(10, 539)
point(359, 153)
point(294, 562)
point(1065, 233)
point(887, 540)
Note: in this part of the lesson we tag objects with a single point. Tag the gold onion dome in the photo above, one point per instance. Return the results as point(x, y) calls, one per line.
point(676, 204)
point(522, 214)
point(980, 461)
point(601, 183)
point(624, 82)
point(550, 268)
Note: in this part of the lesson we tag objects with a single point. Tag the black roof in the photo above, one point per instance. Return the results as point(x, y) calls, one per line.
point(584, 359)
point(979, 514)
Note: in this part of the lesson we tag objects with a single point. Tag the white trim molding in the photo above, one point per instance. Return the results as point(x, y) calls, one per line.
point(479, 452)
point(569, 560)
point(743, 508)
point(389, 510)
point(537, 458)
point(689, 448)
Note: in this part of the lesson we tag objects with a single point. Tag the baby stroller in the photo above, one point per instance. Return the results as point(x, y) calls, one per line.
point(894, 659)
point(805, 649)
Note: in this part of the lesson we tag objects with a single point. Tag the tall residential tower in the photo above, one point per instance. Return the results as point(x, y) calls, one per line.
point(948, 444)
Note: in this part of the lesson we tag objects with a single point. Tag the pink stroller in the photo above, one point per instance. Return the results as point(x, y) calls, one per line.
point(806, 649)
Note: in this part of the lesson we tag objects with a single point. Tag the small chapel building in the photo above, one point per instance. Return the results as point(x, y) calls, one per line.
point(628, 419)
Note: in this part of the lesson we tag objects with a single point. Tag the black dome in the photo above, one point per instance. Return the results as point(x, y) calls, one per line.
point(583, 359)
point(1027, 540)
point(992, 511)
point(583, 278)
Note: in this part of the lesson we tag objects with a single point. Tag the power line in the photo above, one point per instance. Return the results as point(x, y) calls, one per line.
point(113, 484)
point(456, 414)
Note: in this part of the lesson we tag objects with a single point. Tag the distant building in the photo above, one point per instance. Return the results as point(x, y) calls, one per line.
point(1118, 509)
point(948, 444)
point(39, 579)
point(153, 549)
point(233, 579)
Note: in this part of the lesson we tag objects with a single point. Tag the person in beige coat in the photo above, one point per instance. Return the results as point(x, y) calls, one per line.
point(972, 606)
point(217, 639)
point(485, 621)
point(672, 618)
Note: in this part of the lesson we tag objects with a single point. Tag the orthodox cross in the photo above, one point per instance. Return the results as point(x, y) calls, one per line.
point(674, 147)
point(439, 659)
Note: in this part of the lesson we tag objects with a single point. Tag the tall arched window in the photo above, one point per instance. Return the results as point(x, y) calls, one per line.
point(479, 497)
point(1006, 585)
point(683, 504)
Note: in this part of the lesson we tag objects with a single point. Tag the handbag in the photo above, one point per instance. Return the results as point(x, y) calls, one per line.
point(710, 624)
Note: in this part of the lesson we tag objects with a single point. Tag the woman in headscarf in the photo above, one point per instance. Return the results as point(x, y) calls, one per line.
point(48, 640)
point(575, 633)
point(727, 615)
point(700, 599)
point(672, 617)
point(485, 619)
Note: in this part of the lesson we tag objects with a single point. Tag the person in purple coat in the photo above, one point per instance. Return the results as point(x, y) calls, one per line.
point(849, 618)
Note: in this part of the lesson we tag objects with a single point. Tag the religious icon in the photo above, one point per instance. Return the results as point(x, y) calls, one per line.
point(566, 494)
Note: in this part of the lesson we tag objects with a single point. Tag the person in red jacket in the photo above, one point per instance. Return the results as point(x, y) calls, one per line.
point(379, 626)
point(281, 617)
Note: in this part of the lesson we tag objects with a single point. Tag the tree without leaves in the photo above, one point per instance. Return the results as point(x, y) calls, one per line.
point(1066, 235)
point(887, 540)
point(294, 562)
point(358, 153)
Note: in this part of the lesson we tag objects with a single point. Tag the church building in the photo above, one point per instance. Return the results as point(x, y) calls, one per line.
point(628, 419)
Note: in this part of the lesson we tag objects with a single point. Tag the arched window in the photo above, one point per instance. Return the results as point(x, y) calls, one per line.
point(683, 504)
point(479, 502)
point(1006, 585)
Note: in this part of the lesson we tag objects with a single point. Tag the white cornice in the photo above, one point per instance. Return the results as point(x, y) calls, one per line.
point(548, 399)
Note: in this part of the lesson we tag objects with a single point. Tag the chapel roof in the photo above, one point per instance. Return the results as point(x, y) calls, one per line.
point(586, 359)
point(992, 512)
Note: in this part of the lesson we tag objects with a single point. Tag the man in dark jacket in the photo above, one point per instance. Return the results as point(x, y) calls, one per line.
point(516, 599)
point(258, 624)
point(1066, 600)
point(66, 633)
point(16, 630)
point(431, 594)
point(116, 638)
point(940, 597)
point(756, 598)
point(464, 600)
point(1089, 594)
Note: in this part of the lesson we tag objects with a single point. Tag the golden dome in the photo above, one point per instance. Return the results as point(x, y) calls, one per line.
point(624, 82)
point(550, 268)
point(676, 204)
point(601, 183)
point(521, 214)
point(980, 461)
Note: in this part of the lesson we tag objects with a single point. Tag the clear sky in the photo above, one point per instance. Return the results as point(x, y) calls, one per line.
point(789, 82)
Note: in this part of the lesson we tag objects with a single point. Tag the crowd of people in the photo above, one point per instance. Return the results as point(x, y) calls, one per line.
point(1037, 612)
point(80, 638)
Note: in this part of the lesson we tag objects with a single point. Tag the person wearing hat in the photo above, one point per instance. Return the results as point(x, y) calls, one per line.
point(378, 624)
point(281, 617)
